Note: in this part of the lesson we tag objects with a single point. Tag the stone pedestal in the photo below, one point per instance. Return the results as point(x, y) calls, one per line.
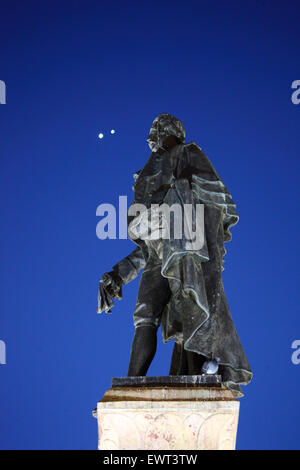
point(167, 418)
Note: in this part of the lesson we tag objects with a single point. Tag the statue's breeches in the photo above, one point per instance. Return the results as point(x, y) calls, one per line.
point(153, 294)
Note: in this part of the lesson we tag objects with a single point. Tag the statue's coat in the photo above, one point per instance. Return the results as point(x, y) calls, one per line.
point(197, 315)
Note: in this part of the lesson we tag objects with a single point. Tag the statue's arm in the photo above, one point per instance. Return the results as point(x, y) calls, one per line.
point(129, 268)
point(111, 283)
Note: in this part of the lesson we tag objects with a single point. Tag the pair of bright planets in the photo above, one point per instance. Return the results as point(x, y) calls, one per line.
point(101, 135)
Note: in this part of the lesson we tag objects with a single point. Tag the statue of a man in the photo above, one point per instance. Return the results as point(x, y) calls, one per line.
point(181, 286)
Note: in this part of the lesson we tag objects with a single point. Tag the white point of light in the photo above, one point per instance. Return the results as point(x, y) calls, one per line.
point(112, 131)
point(100, 136)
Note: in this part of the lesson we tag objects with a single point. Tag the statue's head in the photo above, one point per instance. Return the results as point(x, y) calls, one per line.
point(165, 126)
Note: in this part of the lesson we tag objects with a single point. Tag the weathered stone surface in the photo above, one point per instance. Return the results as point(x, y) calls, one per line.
point(167, 418)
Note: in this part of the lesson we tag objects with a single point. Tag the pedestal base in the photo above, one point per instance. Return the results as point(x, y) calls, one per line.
point(167, 418)
point(203, 380)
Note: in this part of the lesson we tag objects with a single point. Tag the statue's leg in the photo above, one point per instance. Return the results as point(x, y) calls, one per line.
point(185, 362)
point(143, 350)
point(179, 365)
point(153, 295)
point(195, 362)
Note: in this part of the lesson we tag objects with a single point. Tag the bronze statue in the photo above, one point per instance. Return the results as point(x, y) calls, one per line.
point(181, 286)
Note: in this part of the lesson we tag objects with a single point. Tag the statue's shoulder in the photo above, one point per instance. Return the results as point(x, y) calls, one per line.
point(203, 163)
point(151, 165)
point(136, 175)
point(192, 146)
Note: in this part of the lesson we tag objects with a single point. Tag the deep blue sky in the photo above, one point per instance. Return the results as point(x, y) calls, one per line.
point(76, 68)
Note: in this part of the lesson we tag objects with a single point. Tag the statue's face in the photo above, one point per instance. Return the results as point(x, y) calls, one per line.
point(154, 141)
point(159, 131)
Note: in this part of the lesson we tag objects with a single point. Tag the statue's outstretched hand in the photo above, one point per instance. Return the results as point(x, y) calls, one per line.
point(110, 287)
point(113, 284)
